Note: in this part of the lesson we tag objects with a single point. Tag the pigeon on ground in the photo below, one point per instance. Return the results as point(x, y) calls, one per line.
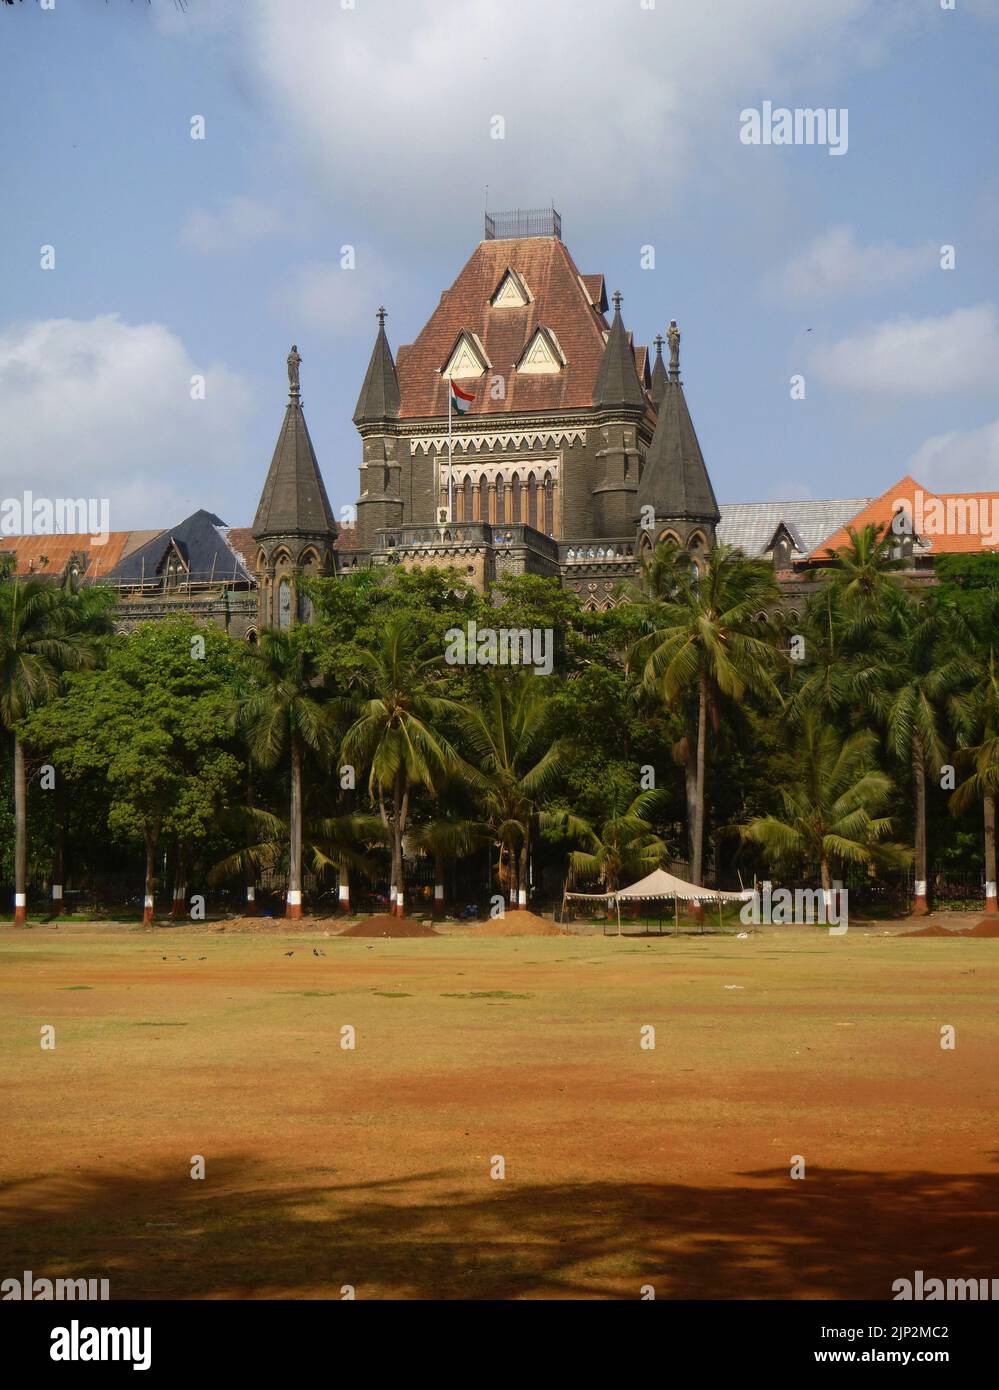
point(182, 957)
point(289, 953)
point(202, 958)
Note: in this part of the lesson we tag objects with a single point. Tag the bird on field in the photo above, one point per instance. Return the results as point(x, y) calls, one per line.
point(202, 958)
point(289, 953)
point(182, 957)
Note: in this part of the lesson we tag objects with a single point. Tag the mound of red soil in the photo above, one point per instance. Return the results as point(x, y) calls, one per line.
point(386, 925)
point(519, 923)
point(988, 926)
point(935, 930)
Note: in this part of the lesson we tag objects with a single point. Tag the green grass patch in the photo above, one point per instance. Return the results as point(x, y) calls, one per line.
point(77, 986)
point(391, 994)
point(488, 994)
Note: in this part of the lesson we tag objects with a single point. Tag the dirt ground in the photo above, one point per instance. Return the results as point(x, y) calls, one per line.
point(373, 1167)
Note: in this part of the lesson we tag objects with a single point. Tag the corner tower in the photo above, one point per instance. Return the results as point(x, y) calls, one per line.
point(675, 499)
point(294, 527)
point(380, 505)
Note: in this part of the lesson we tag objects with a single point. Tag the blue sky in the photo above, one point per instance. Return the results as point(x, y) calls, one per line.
point(370, 126)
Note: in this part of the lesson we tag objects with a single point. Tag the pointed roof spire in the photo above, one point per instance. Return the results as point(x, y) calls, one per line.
point(659, 371)
point(379, 398)
point(675, 481)
point(294, 500)
point(617, 381)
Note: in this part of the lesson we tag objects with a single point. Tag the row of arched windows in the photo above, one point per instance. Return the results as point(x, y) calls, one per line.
point(530, 500)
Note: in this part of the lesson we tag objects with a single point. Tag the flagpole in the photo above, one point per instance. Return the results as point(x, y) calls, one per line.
point(450, 484)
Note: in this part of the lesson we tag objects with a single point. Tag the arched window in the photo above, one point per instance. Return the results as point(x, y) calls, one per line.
point(500, 500)
point(304, 608)
point(483, 498)
point(532, 500)
point(284, 603)
point(466, 491)
point(516, 490)
point(549, 505)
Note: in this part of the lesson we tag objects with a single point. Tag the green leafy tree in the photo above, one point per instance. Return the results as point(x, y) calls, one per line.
point(702, 638)
point(831, 792)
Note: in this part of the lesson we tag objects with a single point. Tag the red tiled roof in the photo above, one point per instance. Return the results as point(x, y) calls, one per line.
point(559, 302)
point(49, 555)
point(240, 539)
point(943, 538)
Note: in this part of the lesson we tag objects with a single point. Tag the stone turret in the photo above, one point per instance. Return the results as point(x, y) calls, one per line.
point(620, 397)
point(380, 505)
point(675, 498)
point(294, 527)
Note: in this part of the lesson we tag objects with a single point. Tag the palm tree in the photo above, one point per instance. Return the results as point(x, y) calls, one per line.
point(624, 847)
point(916, 669)
point(976, 716)
point(395, 734)
point(509, 739)
point(40, 638)
point(446, 838)
point(328, 843)
point(286, 712)
point(831, 791)
point(702, 636)
point(859, 573)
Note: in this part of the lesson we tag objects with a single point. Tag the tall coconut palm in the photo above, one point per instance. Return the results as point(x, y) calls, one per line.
point(702, 638)
point(40, 638)
point(445, 838)
point(622, 848)
point(286, 713)
point(831, 791)
point(396, 733)
point(510, 742)
point(975, 712)
point(917, 669)
point(859, 573)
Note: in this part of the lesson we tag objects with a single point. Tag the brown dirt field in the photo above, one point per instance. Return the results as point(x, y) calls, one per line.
point(518, 922)
point(624, 1166)
point(385, 925)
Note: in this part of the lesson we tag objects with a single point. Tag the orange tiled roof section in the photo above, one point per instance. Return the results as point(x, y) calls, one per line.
point(559, 302)
point(56, 550)
point(883, 508)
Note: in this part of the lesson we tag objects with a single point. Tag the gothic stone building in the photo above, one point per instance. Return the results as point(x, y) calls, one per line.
point(575, 455)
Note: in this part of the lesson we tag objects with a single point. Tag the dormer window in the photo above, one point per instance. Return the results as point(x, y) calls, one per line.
point(542, 356)
point(467, 358)
point(511, 292)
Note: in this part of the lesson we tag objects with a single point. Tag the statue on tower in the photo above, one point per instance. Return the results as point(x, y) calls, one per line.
point(673, 338)
point(294, 362)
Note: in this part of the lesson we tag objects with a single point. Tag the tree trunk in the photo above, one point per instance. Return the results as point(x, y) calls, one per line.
point(344, 889)
point(179, 905)
point(293, 903)
point(397, 892)
point(989, 808)
point(920, 905)
point(59, 846)
point(522, 877)
point(697, 867)
point(251, 871)
point(150, 888)
point(20, 837)
point(439, 870)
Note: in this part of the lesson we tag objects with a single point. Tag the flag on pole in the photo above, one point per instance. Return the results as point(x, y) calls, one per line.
point(461, 399)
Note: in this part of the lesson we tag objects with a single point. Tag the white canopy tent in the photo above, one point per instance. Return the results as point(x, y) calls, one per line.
point(658, 885)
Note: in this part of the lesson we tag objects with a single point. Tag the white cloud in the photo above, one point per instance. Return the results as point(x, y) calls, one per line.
point(835, 264)
point(390, 104)
point(959, 461)
point(105, 406)
point(957, 352)
point(238, 221)
point(323, 296)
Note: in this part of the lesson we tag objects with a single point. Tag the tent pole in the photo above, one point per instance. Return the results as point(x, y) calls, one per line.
point(676, 917)
point(617, 902)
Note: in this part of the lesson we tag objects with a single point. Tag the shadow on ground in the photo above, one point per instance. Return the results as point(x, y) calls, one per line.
point(244, 1233)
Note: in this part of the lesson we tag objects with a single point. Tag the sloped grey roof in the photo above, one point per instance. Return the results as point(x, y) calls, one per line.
point(379, 398)
point(294, 500)
point(617, 381)
point(675, 481)
point(202, 542)
point(658, 376)
point(751, 525)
